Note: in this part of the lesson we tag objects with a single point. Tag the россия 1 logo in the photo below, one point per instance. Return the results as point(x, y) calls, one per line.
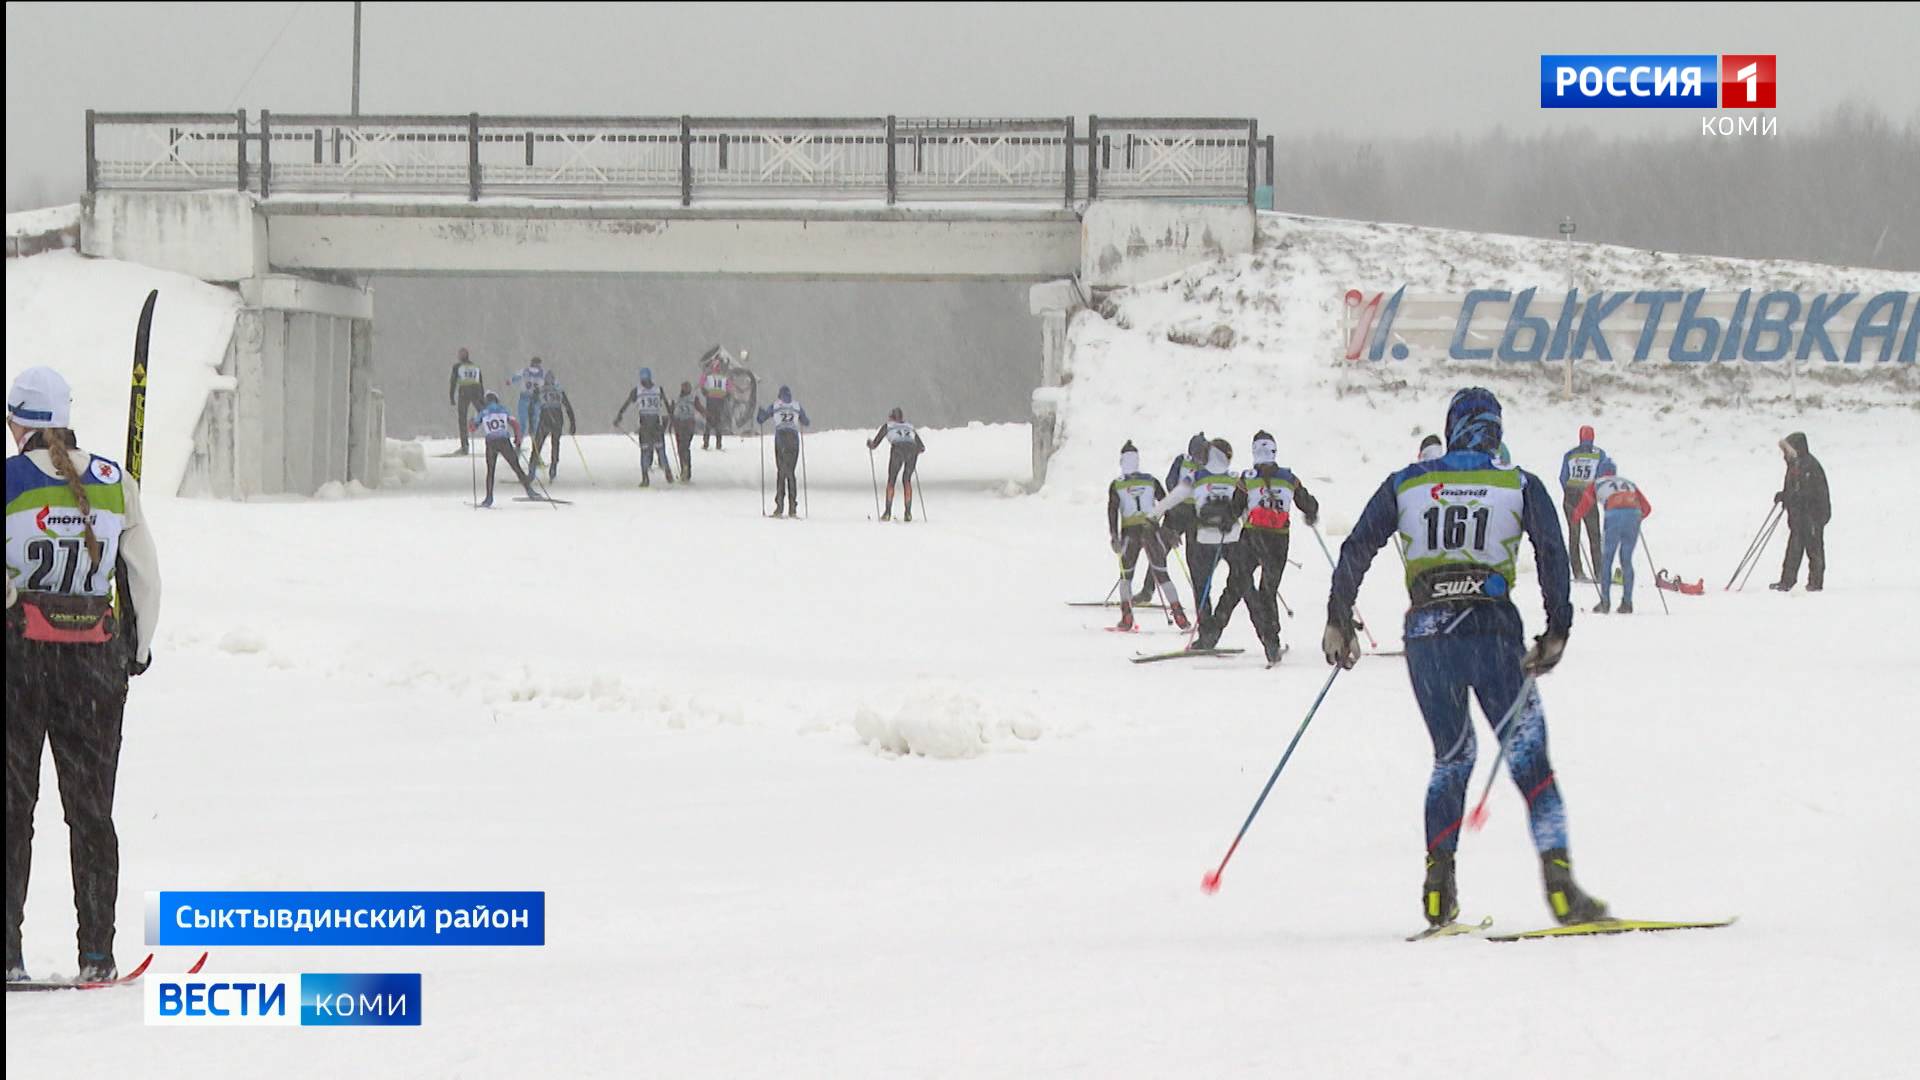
point(1692, 81)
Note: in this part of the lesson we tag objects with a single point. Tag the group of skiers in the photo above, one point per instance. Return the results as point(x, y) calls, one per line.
point(1240, 518)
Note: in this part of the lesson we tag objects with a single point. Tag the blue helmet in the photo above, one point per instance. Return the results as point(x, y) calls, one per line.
point(1608, 468)
point(786, 394)
point(1473, 421)
point(646, 374)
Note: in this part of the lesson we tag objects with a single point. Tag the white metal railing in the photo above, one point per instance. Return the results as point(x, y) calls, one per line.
point(684, 158)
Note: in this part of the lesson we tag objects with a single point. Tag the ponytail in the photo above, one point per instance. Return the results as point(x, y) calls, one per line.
point(60, 446)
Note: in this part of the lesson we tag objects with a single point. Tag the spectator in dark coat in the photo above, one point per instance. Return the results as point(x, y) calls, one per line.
point(1809, 508)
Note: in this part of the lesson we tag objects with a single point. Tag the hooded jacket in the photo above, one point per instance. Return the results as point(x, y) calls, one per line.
point(1804, 492)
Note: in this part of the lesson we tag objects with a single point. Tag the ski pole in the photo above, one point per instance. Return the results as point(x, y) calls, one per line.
point(873, 474)
point(1753, 548)
point(582, 455)
point(1764, 541)
point(1655, 567)
point(473, 475)
point(1211, 882)
point(923, 492)
point(805, 499)
point(1358, 619)
point(1477, 820)
point(547, 495)
point(760, 437)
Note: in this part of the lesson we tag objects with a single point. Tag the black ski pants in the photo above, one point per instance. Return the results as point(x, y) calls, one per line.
point(786, 456)
point(503, 448)
point(1136, 539)
point(73, 697)
point(1569, 502)
point(1806, 537)
point(902, 463)
point(683, 441)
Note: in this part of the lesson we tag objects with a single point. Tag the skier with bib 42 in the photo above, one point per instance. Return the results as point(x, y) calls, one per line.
point(1463, 519)
point(902, 460)
point(71, 645)
point(1625, 507)
point(1130, 530)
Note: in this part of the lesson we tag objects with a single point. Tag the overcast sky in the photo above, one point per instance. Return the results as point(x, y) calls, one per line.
point(1382, 68)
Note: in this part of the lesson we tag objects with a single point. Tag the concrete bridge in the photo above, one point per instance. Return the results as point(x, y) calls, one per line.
point(294, 210)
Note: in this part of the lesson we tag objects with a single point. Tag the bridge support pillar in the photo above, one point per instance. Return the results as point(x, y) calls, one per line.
point(1054, 302)
point(299, 410)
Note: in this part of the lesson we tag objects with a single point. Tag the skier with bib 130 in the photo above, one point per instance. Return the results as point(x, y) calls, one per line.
point(1463, 519)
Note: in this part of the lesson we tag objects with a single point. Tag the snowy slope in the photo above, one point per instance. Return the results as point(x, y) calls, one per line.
point(79, 315)
point(685, 722)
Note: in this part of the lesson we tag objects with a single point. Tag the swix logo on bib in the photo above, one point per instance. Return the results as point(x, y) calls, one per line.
point(1462, 532)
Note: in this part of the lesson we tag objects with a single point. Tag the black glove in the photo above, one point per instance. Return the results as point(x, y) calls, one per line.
point(1779, 498)
point(139, 667)
point(1546, 652)
point(573, 429)
point(1338, 643)
point(1118, 545)
point(1313, 521)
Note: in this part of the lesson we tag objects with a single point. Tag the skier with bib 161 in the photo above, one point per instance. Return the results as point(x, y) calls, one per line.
point(902, 460)
point(1463, 519)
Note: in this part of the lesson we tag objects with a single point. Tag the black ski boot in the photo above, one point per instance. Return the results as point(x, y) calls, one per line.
point(1602, 607)
point(97, 967)
point(887, 514)
point(909, 517)
point(1570, 903)
point(1626, 607)
point(1274, 651)
point(1439, 899)
point(1781, 586)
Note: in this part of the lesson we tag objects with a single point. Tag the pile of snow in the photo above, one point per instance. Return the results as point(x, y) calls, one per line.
point(404, 462)
point(1253, 341)
point(334, 490)
point(944, 722)
point(78, 315)
point(28, 223)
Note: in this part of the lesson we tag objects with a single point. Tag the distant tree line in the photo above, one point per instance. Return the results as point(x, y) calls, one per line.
point(1845, 191)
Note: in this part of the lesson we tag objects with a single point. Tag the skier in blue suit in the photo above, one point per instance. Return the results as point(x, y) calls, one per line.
point(1462, 518)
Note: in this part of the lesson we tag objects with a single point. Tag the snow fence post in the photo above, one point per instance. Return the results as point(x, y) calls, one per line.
point(1069, 148)
point(240, 144)
point(93, 162)
point(473, 157)
point(266, 152)
point(1253, 158)
point(893, 175)
point(686, 161)
point(1093, 157)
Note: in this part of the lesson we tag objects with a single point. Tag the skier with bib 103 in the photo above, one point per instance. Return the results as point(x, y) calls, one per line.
point(1463, 519)
point(502, 433)
point(903, 459)
point(1131, 498)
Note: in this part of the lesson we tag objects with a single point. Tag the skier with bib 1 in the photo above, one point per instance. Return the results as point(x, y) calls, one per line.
point(649, 404)
point(1177, 526)
point(788, 418)
point(502, 433)
point(71, 645)
point(902, 460)
point(1463, 519)
point(1130, 530)
point(466, 392)
point(1625, 507)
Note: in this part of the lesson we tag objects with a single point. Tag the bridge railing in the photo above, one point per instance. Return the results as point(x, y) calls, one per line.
point(689, 159)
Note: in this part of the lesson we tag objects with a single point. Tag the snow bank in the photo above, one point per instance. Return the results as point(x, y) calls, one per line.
point(404, 462)
point(39, 222)
point(944, 722)
point(78, 315)
point(1251, 341)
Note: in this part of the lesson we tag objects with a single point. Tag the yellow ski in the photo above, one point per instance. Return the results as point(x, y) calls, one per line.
point(1611, 926)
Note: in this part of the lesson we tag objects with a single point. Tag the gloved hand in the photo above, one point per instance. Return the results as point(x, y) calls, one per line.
point(139, 667)
point(1339, 643)
point(1118, 545)
point(1545, 654)
point(1779, 498)
point(573, 429)
point(1313, 521)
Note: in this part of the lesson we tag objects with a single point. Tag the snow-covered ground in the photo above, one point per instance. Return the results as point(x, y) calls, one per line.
point(831, 798)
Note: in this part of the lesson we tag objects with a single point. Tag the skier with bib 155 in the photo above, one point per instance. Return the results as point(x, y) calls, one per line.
point(502, 433)
point(1579, 467)
point(466, 392)
point(788, 418)
point(1463, 519)
point(902, 460)
point(71, 645)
